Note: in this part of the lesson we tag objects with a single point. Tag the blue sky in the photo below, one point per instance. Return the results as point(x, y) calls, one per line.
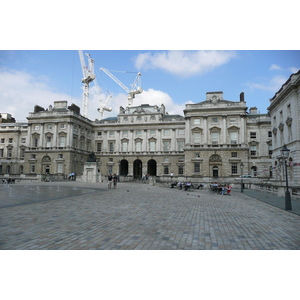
point(30, 77)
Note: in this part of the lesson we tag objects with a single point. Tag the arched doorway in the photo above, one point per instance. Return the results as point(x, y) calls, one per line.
point(215, 164)
point(123, 167)
point(151, 169)
point(254, 171)
point(137, 169)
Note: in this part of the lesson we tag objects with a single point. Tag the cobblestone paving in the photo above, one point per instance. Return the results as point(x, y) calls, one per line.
point(74, 215)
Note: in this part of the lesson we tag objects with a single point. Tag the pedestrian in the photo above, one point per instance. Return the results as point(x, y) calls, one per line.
point(115, 179)
point(109, 178)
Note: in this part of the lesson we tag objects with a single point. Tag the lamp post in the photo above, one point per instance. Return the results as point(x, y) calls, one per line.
point(285, 152)
point(242, 185)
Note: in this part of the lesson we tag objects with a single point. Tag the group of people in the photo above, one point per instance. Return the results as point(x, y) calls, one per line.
point(221, 189)
point(112, 180)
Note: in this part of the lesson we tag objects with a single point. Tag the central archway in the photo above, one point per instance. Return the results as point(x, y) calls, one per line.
point(137, 169)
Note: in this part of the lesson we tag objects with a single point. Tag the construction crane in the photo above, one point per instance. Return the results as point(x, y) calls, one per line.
point(88, 77)
point(136, 86)
point(103, 104)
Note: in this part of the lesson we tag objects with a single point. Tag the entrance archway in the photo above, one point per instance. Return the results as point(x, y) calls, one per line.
point(137, 169)
point(151, 169)
point(123, 167)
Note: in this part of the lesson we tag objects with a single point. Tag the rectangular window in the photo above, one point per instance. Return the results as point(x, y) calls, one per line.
point(152, 132)
point(197, 121)
point(32, 168)
point(110, 169)
point(10, 140)
point(49, 126)
point(270, 149)
point(233, 137)
point(167, 132)
point(180, 145)
point(215, 138)
point(22, 153)
point(99, 145)
point(74, 141)
point(214, 120)
point(197, 136)
point(269, 133)
point(111, 146)
point(125, 133)
point(59, 168)
point(253, 150)
point(234, 168)
point(138, 146)
point(138, 132)
point(124, 146)
point(1, 152)
point(9, 153)
point(48, 141)
point(36, 127)
point(23, 141)
point(166, 145)
point(62, 141)
point(2, 140)
point(62, 126)
point(35, 142)
point(152, 146)
point(100, 133)
point(180, 170)
point(234, 154)
point(166, 170)
point(111, 133)
point(181, 131)
point(232, 120)
point(253, 135)
point(196, 167)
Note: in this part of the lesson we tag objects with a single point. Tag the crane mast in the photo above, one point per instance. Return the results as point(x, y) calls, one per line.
point(136, 86)
point(88, 77)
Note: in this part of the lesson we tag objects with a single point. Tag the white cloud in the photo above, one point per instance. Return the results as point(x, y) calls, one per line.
point(275, 67)
point(293, 70)
point(273, 85)
point(20, 92)
point(184, 63)
point(151, 97)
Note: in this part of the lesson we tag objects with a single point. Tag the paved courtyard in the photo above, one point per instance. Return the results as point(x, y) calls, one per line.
point(74, 215)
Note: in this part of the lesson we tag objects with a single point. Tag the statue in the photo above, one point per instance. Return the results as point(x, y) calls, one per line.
point(92, 157)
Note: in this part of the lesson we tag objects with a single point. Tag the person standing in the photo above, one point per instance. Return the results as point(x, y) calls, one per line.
point(109, 178)
point(115, 179)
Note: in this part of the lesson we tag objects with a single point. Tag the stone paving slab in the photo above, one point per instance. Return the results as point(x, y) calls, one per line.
point(74, 215)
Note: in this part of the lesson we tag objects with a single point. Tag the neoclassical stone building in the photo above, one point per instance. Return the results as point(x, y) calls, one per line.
point(285, 123)
point(208, 142)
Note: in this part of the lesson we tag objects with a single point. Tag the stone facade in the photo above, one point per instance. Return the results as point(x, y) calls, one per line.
point(285, 123)
point(208, 143)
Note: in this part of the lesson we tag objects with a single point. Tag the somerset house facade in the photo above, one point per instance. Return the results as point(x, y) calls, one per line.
point(208, 142)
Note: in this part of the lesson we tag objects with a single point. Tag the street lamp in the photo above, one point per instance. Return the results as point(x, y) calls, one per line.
point(285, 152)
point(242, 185)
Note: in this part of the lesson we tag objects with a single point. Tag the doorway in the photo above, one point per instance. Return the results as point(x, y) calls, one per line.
point(215, 170)
point(137, 169)
point(151, 170)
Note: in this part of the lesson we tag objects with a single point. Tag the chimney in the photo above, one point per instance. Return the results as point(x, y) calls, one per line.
point(242, 97)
